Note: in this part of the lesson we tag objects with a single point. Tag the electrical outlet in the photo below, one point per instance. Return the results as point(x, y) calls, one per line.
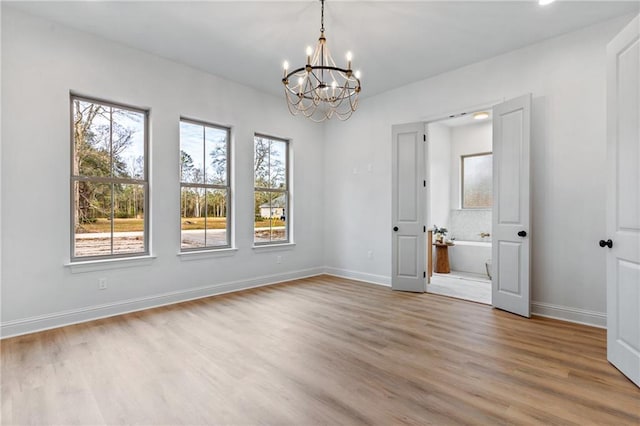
point(102, 284)
point(278, 259)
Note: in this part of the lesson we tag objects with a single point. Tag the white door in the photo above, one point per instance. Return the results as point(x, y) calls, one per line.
point(408, 233)
point(511, 214)
point(622, 241)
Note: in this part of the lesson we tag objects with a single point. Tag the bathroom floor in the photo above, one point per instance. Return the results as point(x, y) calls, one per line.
point(461, 285)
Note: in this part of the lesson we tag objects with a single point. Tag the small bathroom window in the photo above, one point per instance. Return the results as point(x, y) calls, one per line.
point(477, 181)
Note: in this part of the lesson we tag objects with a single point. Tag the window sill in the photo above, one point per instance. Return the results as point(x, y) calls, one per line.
point(206, 254)
point(274, 247)
point(106, 264)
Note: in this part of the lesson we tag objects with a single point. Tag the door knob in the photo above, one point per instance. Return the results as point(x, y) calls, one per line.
point(607, 243)
point(395, 228)
point(522, 234)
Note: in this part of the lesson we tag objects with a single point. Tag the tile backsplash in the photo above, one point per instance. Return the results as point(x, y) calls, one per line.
point(467, 225)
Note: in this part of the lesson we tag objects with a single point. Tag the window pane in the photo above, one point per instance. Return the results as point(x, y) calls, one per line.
point(128, 222)
point(128, 143)
point(192, 208)
point(261, 162)
point(92, 219)
point(262, 222)
point(191, 152)
point(216, 156)
point(109, 143)
point(477, 191)
point(91, 146)
point(270, 217)
point(278, 218)
point(278, 165)
point(216, 225)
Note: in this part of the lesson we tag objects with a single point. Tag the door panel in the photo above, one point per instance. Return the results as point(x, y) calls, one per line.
point(407, 252)
point(509, 189)
point(407, 177)
point(511, 207)
point(509, 255)
point(408, 202)
point(623, 201)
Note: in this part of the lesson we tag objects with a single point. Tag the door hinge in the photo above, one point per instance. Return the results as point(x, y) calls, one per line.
point(424, 274)
point(424, 183)
point(424, 229)
point(424, 138)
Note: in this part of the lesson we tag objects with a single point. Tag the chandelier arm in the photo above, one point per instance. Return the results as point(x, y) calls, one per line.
point(320, 67)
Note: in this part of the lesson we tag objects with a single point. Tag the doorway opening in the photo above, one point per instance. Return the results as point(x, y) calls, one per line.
point(459, 206)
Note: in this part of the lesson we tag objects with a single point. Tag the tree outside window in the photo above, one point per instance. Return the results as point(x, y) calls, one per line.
point(271, 191)
point(204, 186)
point(108, 180)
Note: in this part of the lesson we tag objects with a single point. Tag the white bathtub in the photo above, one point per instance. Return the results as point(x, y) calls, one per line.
point(470, 256)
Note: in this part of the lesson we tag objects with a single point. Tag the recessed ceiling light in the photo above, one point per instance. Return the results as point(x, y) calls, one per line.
point(480, 115)
point(545, 2)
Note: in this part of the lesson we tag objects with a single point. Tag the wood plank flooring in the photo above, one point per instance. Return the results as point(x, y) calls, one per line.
point(321, 350)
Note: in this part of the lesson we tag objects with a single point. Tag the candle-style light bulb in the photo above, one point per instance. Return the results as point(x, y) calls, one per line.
point(309, 53)
point(300, 81)
point(358, 74)
point(285, 65)
point(349, 58)
point(334, 84)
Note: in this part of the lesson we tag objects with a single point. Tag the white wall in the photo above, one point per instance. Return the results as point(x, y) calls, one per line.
point(567, 78)
point(467, 140)
point(41, 63)
point(439, 173)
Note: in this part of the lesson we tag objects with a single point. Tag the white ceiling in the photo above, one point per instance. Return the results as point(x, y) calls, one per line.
point(394, 42)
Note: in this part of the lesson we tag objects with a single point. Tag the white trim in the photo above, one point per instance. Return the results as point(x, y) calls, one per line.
point(90, 313)
point(359, 276)
point(433, 118)
point(105, 264)
point(274, 246)
point(567, 313)
point(207, 254)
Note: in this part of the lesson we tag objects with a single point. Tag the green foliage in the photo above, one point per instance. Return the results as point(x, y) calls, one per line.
point(437, 230)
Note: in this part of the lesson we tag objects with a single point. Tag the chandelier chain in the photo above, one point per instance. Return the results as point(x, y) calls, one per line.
point(322, 17)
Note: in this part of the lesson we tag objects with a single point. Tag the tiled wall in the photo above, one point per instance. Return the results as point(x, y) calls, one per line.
point(468, 224)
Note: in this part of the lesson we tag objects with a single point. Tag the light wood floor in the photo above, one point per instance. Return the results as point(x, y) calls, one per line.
point(316, 351)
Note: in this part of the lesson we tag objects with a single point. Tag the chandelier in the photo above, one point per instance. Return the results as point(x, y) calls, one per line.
point(320, 89)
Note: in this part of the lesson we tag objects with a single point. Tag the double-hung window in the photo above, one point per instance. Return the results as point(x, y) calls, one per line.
point(205, 187)
point(477, 181)
point(109, 185)
point(272, 214)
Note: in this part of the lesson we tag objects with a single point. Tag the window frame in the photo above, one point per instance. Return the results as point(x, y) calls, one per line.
point(109, 180)
point(207, 186)
point(462, 158)
point(286, 191)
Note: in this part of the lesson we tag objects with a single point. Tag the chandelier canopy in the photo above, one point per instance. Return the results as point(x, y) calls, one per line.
point(321, 90)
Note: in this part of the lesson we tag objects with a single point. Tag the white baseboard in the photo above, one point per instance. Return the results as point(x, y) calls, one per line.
point(548, 310)
point(359, 276)
point(58, 319)
point(566, 313)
